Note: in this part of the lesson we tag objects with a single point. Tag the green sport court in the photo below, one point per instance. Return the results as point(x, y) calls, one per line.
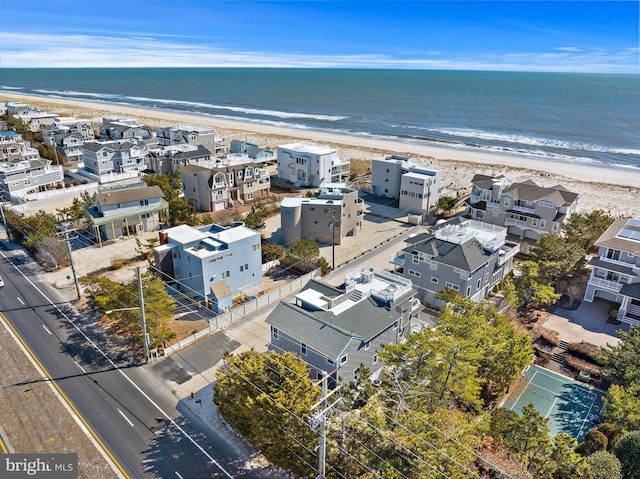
point(570, 406)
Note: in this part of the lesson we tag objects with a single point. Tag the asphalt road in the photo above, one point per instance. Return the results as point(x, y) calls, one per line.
point(131, 413)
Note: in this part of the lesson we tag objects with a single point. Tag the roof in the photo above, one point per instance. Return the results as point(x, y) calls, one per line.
point(194, 169)
point(468, 256)
point(127, 195)
point(632, 290)
point(484, 181)
point(309, 147)
point(220, 289)
point(610, 238)
point(618, 268)
point(112, 145)
point(529, 191)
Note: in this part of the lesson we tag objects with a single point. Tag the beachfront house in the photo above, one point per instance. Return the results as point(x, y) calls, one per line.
point(188, 135)
point(12, 148)
point(253, 151)
point(67, 124)
point(526, 209)
point(334, 213)
point(211, 263)
point(336, 330)
point(69, 145)
point(123, 128)
point(224, 185)
point(104, 160)
point(310, 164)
point(466, 256)
point(415, 185)
point(126, 212)
point(172, 158)
point(36, 120)
point(615, 273)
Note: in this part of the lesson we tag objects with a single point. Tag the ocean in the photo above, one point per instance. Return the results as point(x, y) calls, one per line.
point(562, 116)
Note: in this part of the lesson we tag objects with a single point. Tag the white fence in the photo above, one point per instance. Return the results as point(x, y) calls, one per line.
point(244, 310)
point(72, 192)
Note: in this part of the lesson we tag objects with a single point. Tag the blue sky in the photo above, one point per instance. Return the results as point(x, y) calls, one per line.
point(478, 35)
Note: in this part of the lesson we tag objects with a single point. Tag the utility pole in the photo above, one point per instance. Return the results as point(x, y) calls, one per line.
point(145, 336)
point(320, 421)
point(333, 242)
point(68, 239)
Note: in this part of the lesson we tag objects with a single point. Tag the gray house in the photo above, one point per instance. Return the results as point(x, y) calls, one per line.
point(526, 209)
point(335, 330)
point(169, 159)
point(616, 270)
point(466, 256)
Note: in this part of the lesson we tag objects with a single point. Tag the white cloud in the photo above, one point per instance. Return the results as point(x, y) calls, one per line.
point(85, 51)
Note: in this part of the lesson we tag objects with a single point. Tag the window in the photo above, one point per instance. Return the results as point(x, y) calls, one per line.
point(226, 274)
point(330, 361)
point(507, 202)
point(415, 259)
point(375, 358)
point(454, 287)
point(241, 268)
point(395, 325)
point(534, 222)
point(144, 202)
point(417, 274)
point(434, 280)
point(478, 283)
point(543, 223)
point(367, 345)
point(556, 227)
point(274, 332)
point(303, 349)
point(613, 254)
point(255, 247)
point(343, 359)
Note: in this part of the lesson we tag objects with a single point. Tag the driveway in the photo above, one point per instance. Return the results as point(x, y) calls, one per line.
point(588, 323)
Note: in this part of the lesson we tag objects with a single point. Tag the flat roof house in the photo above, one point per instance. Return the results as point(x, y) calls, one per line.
point(466, 256)
point(212, 263)
point(310, 164)
point(335, 330)
point(615, 273)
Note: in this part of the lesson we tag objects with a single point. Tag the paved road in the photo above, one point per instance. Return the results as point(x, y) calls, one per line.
point(128, 408)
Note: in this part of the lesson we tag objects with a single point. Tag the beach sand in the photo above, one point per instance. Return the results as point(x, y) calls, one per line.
point(615, 190)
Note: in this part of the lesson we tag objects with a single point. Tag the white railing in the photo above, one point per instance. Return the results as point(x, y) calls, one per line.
point(514, 222)
point(613, 285)
point(621, 263)
point(244, 310)
point(524, 209)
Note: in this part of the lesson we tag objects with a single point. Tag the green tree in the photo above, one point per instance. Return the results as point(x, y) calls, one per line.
point(529, 290)
point(556, 258)
point(622, 406)
point(446, 203)
point(271, 251)
point(303, 251)
point(604, 465)
point(627, 450)
point(76, 211)
point(594, 441)
point(267, 398)
point(568, 464)
point(182, 211)
point(254, 220)
point(622, 362)
point(145, 250)
point(612, 433)
point(583, 229)
point(30, 230)
point(323, 264)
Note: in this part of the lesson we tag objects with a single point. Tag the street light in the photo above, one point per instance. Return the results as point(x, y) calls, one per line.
point(145, 336)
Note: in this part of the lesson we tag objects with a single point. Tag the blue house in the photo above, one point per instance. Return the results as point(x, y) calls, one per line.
point(212, 263)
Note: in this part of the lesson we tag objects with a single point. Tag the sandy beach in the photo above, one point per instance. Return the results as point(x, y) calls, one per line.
point(613, 189)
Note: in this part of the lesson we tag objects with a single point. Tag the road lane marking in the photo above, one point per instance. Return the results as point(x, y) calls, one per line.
point(129, 380)
point(46, 329)
point(125, 417)
point(179, 476)
point(81, 368)
point(21, 302)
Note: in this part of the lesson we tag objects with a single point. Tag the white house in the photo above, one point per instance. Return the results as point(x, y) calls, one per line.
point(310, 164)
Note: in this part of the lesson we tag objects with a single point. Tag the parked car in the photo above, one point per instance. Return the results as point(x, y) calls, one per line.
point(1, 282)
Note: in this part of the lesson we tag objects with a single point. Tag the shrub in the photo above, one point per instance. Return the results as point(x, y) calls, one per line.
point(604, 465)
point(594, 441)
point(85, 182)
point(549, 336)
point(587, 351)
point(68, 185)
point(612, 433)
point(76, 182)
point(59, 186)
point(582, 365)
point(117, 263)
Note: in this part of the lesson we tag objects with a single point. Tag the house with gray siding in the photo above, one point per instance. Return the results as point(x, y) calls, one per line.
point(335, 330)
point(127, 212)
point(123, 128)
point(24, 176)
point(211, 263)
point(526, 209)
point(415, 185)
point(466, 256)
point(102, 158)
point(169, 159)
point(336, 212)
point(253, 151)
point(69, 145)
point(188, 135)
point(615, 273)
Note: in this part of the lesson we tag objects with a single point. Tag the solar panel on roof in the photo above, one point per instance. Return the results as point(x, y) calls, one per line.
point(633, 222)
point(629, 234)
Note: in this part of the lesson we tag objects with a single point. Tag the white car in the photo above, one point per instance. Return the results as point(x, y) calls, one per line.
point(1, 283)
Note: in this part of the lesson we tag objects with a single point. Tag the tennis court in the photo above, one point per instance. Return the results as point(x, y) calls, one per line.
point(569, 405)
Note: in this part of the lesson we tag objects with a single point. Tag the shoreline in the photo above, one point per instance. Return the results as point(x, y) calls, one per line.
point(613, 188)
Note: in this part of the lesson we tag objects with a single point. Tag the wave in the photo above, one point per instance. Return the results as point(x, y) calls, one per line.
point(533, 141)
point(68, 93)
point(4, 87)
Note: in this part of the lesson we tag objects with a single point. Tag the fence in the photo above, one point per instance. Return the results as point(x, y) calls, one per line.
point(245, 309)
point(71, 191)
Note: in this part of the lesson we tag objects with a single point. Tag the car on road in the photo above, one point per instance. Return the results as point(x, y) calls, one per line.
point(1, 282)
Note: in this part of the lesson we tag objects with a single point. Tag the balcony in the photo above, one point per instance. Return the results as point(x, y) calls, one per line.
point(523, 209)
point(605, 283)
point(478, 198)
point(514, 222)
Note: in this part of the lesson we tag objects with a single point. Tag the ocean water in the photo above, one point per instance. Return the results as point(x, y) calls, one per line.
point(561, 116)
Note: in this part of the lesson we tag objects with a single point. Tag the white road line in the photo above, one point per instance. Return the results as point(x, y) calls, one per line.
point(125, 417)
point(179, 476)
point(81, 368)
point(45, 328)
point(129, 380)
point(19, 299)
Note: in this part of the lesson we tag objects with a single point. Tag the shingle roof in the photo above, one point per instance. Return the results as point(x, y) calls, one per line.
point(193, 169)
point(484, 181)
point(632, 290)
point(112, 145)
point(609, 238)
point(468, 256)
point(126, 195)
point(618, 268)
point(530, 191)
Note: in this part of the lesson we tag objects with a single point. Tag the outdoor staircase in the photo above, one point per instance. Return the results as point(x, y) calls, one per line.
point(561, 355)
point(356, 296)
